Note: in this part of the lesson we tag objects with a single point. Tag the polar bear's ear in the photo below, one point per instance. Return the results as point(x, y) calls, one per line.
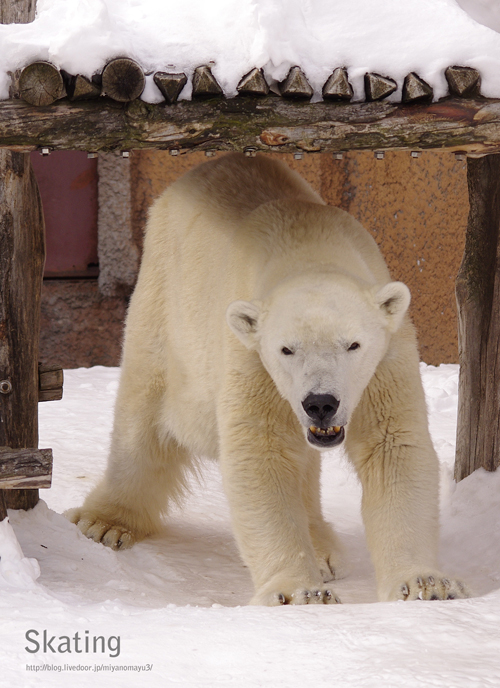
point(393, 300)
point(243, 319)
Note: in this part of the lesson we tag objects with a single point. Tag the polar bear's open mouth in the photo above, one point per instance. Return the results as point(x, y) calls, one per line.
point(325, 437)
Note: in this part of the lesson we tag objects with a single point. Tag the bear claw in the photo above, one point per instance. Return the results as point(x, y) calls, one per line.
point(432, 588)
point(113, 536)
point(300, 597)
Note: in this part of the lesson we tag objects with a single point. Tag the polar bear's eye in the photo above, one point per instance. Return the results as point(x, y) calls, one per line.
point(353, 346)
point(286, 351)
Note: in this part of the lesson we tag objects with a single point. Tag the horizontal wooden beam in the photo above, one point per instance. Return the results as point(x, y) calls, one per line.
point(25, 468)
point(252, 124)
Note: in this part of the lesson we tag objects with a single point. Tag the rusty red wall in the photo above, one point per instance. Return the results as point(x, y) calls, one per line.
point(68, 185)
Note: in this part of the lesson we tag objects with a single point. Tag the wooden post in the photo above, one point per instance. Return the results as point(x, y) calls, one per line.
point(17, 11)
point(478, 300)
point(22, 255)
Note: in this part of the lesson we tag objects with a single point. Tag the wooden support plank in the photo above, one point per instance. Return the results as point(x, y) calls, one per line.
point(22, 255)
point(50, 377)
point(478, 299)
point(50, 382)
point(266, 124)
point(25, 468)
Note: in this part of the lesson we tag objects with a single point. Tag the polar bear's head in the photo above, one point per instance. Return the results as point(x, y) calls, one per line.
point(321, 338)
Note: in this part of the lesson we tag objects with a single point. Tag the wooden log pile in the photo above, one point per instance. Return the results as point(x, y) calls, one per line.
point(123, 80)
point(57, 110)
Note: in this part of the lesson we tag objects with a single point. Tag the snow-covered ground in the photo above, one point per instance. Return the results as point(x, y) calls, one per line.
point(393, 37)
point(176, 602)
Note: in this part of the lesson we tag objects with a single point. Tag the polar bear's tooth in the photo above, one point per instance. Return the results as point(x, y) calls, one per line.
point(313, 428)
point(336, 428)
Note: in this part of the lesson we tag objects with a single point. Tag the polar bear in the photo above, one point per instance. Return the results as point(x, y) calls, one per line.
point(264, 330)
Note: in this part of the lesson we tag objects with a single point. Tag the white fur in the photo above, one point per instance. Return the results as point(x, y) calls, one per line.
point(253, 294)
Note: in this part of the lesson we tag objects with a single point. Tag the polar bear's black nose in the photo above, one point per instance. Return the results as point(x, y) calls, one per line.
point(320, 408)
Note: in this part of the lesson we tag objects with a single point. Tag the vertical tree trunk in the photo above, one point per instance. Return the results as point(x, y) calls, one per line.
point(478, 300)
point(22, 255)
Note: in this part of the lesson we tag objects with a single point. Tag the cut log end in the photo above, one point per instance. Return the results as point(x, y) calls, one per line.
point(205, 85)
point(123, 80)
point(170, 85)
point(41, 83)
point(253, 84)
point(378, 87)
point(80, 88)
point(416, 90)
point(296, 85)
point(463, 82)
point(337, 87)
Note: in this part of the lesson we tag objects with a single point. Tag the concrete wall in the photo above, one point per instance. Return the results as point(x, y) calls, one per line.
point(79, 326)
point(416, 209)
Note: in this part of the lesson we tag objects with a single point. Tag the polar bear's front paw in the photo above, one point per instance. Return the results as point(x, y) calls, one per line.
point(321, 594)
point(431, 587)
point(111, 535)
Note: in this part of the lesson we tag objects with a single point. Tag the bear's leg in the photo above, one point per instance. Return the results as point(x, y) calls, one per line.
point(329, 552)
point(263, 460)
point(389, 443)
point(144, 473)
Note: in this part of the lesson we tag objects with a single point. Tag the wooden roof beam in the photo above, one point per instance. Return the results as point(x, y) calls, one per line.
point(263, 124)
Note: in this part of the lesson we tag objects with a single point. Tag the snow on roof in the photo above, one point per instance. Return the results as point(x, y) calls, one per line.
point(392, 38)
